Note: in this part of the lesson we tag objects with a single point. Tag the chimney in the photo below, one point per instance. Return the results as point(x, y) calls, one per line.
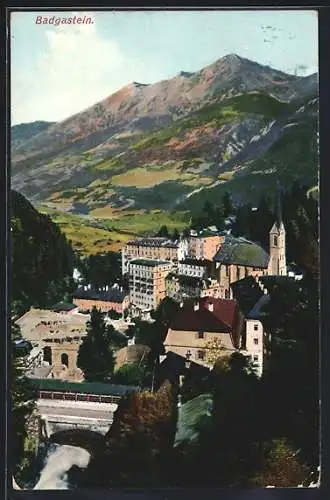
point(210, 306)
point(196, 306)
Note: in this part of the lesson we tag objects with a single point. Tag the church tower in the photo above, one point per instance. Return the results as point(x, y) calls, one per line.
point(277, 248)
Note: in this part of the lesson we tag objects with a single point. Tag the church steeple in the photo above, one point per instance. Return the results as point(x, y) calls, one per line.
point(278, 210)
point(277, 247)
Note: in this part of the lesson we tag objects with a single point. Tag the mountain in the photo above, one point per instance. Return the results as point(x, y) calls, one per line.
point(24, 131)
point(234, 125)
point(42, 259)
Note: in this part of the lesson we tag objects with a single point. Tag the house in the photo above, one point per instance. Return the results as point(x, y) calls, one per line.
point(147, 283)
point(253, 345)
point(172, 366)
point(203, 245)
point(115, 298)
point(153, 248)
point(201, 321)
point(180, 287)
point(196, 268)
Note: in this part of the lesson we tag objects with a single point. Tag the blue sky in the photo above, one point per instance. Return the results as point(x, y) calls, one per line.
point(59, 71)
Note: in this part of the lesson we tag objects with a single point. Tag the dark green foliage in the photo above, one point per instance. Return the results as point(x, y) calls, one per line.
point(129, 374)
point(300, 217)
point(139, 443)
point(114, 314)
point(23, 395)
point(95, 356)
point(101, 270)
point(163, 232)
point(116, 339)
point(211, 215)
point(228, 207)
point(42, 259)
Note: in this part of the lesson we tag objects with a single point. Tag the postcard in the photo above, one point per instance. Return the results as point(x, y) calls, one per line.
point(165, 249)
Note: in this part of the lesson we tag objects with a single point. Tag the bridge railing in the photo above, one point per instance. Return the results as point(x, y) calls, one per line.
point(76, 396)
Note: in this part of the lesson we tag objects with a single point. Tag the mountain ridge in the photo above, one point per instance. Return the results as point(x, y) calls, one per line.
point(175, 138)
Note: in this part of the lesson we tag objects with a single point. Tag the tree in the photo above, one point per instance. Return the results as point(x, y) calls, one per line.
point(163, 232)
point(95, 355)
point(138, 446)
point(281, 466)
point(175, 235)
point(23, 396)
point(129, 374)
point(214, 350)
point(228, 208)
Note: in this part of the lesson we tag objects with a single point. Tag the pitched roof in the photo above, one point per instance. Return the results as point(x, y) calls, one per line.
point(257, 311)
point(149, 262)
point(63, 306)
point(113, 295)
point(247, 292)
point(174, 365)
point(221, 319)
point(242, 252)
point(154, 242)
point(100, 388)
point(184, 280)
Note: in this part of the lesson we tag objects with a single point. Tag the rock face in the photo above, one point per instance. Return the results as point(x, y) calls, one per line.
point(219, 119)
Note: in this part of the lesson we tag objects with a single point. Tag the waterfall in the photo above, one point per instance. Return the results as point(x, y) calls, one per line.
point(59, 461)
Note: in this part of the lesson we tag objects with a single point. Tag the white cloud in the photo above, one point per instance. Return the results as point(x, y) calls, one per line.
point(77, 68)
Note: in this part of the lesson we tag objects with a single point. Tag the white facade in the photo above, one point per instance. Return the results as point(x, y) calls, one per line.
point(277, 250)
point(147, 283)
point(183, 249)
point(192, 269)
point(254, 347)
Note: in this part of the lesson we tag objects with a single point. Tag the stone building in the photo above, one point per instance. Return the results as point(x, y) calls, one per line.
point(196, 268)
point(236, 259)
point(199, 322)
point(59, 335)
point(113, 299)
point(181, 287)
point(203, 245)
point(153, 248)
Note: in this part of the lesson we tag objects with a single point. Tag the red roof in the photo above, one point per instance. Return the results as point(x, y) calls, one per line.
point(221, 319)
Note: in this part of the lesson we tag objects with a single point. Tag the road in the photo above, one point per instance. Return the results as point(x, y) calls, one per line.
point(76, 412)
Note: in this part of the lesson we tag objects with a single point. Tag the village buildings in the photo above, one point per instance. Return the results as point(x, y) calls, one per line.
point(147, 283)
point(154, 249)
point(114, 298)
point(199, 322)
point(58, 334)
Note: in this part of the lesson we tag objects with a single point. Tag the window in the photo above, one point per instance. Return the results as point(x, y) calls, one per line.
point(256, 358)
point(256, 341)
point(255, 327)
point(200, 335)
point(200, 354)
point(226, 294)
point(275, 241)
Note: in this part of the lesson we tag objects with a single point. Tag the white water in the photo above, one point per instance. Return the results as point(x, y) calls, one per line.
point(60, 459)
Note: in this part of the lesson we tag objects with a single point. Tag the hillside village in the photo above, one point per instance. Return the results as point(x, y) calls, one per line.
point(207, 273)
point(165, 274)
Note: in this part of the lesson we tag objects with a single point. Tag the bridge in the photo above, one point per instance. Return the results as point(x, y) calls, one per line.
point(64, 406)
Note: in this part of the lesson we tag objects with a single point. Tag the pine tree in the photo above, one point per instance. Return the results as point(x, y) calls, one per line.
point(23, 395)
point(95, 355)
